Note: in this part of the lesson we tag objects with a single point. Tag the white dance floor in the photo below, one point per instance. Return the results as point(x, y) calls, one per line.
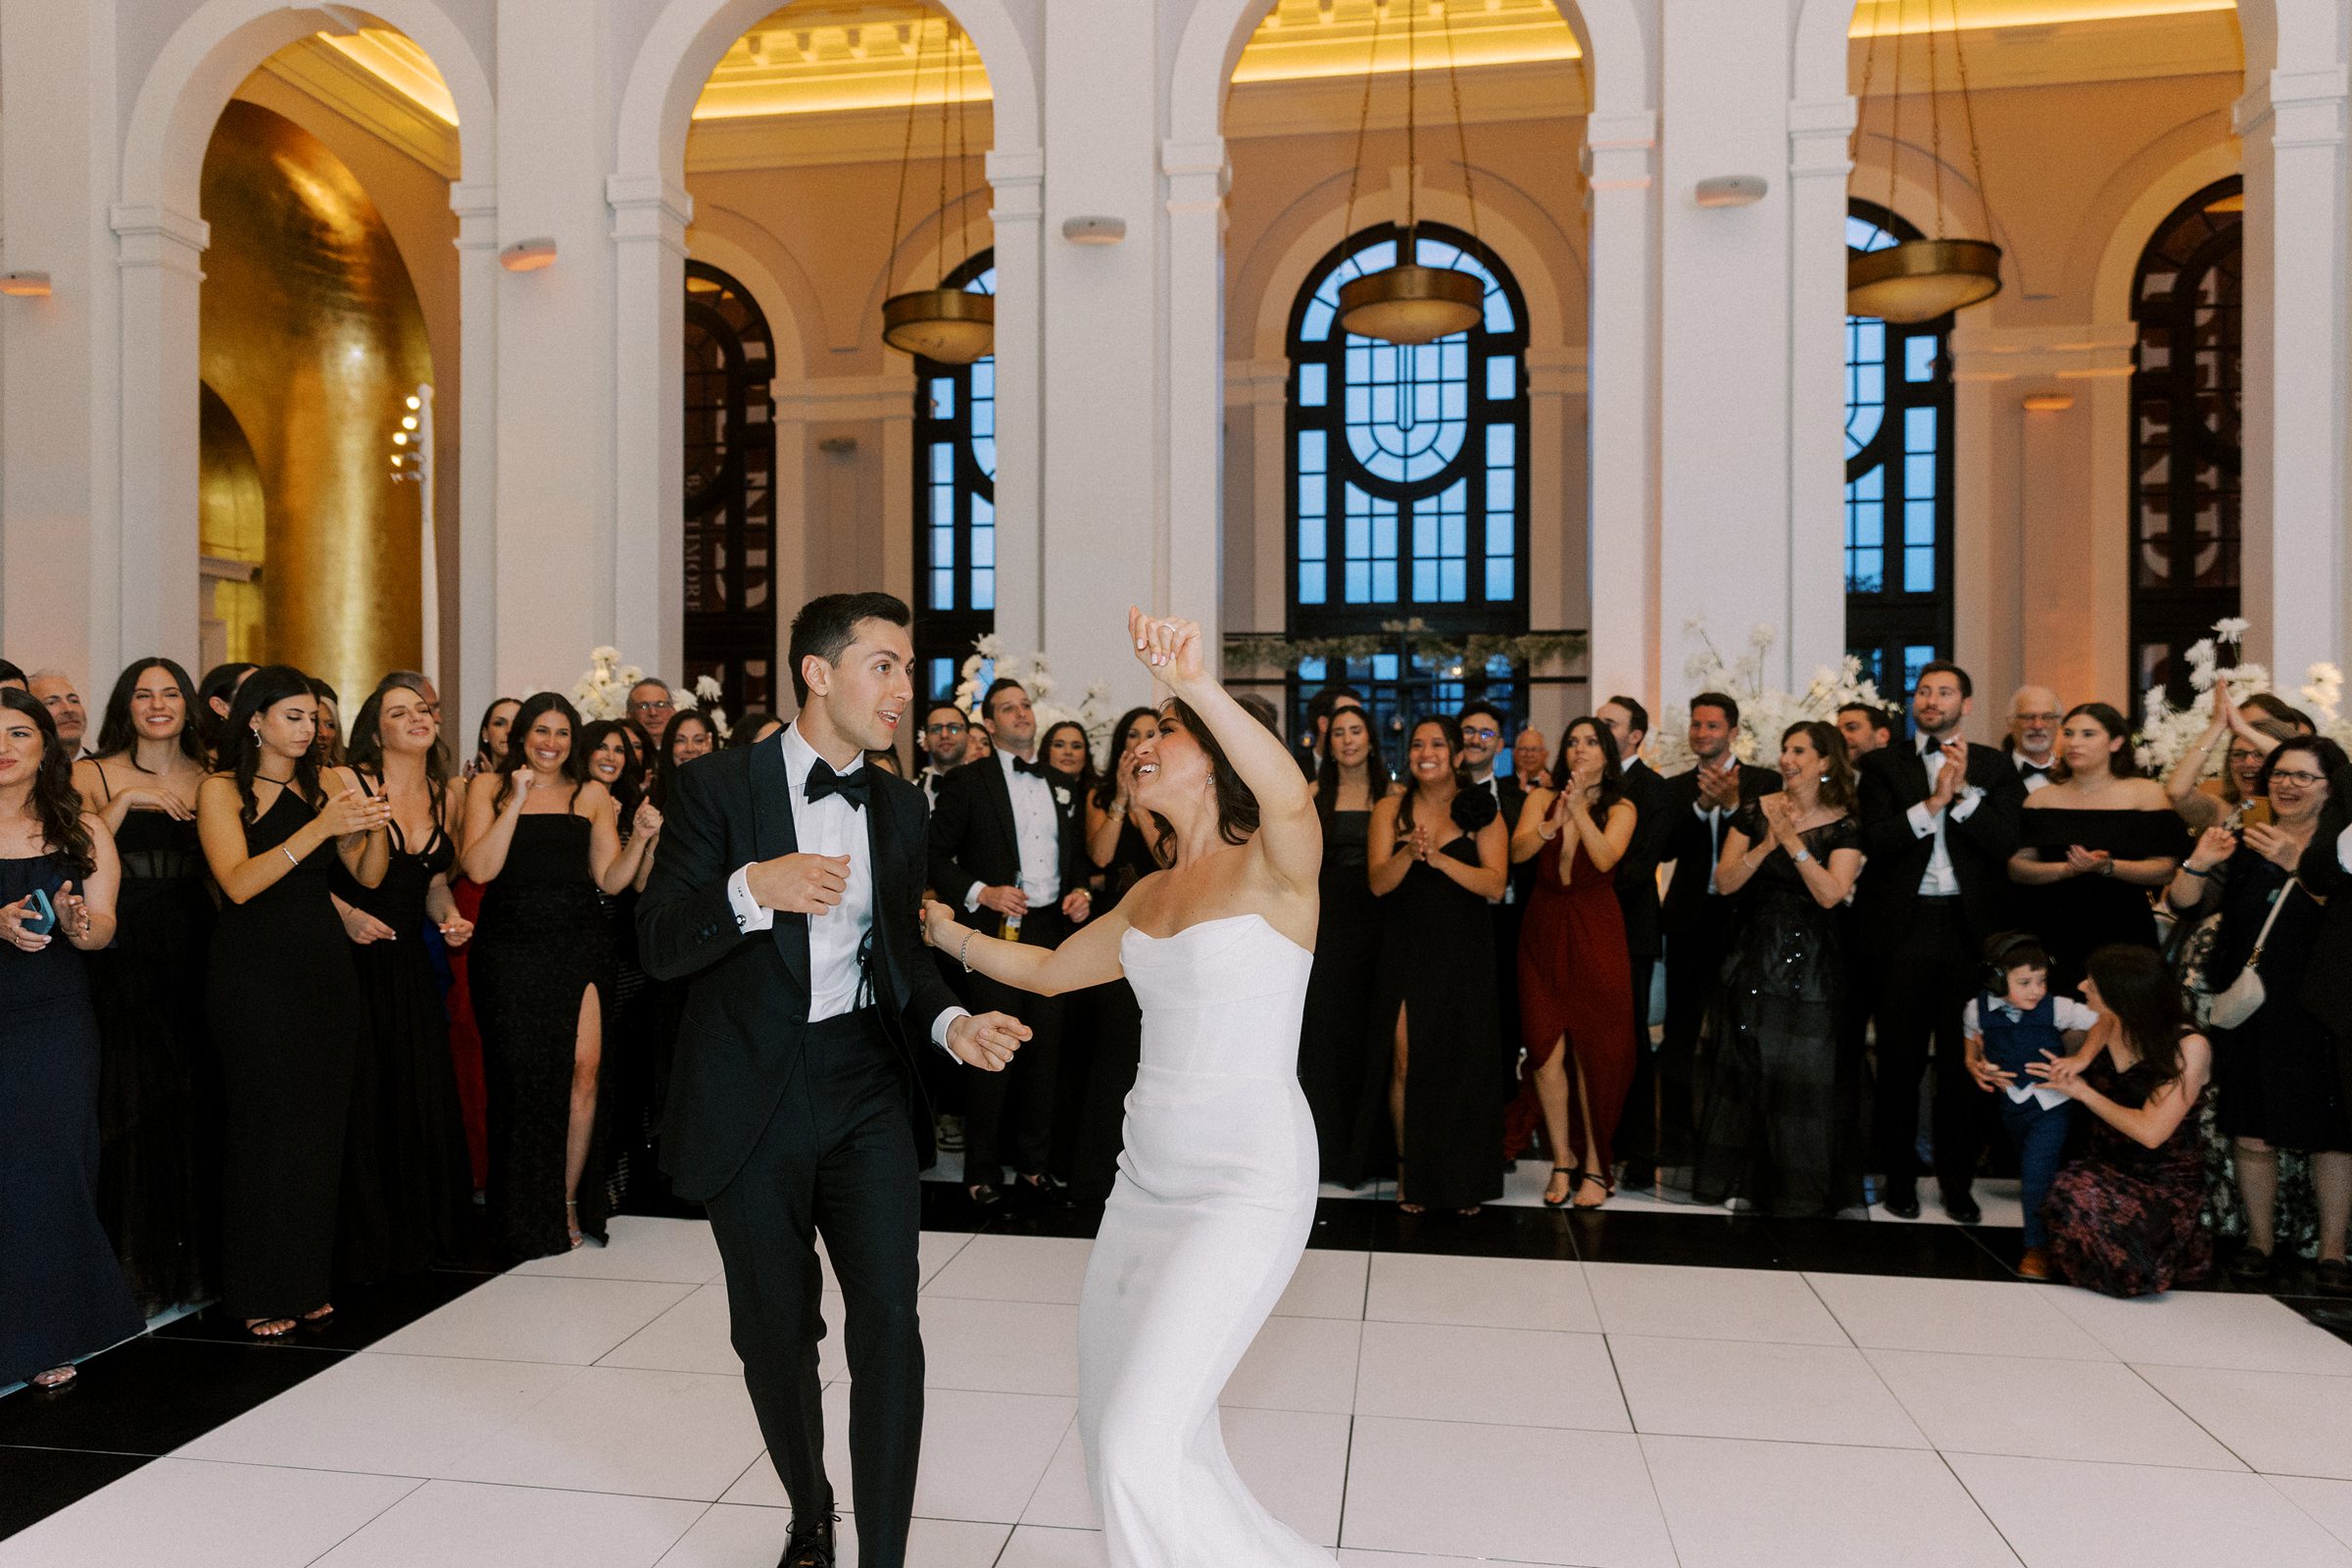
point(1410, 1410)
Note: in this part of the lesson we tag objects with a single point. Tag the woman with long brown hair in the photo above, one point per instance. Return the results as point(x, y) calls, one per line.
point(282, 992)
point(2094, 846)
point(64, 1291)
point(1344, 1066)
point(1780, 1101)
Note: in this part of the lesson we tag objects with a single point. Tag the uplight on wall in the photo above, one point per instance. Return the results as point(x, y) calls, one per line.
point(529, 256)
point(2048, 402)
point(1731, 190)
point(24, 285)
point(1094, 230)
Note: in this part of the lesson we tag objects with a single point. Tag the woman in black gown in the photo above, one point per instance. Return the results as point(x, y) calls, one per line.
point(545, 838)
point(1777, 1102)
point(406, 1185)
point(62, 1294)
point(1437, 854)
point(2093, 846)
point(1343, 1066)
point(282, 994)
point(159, 1082)
point(1119, 842)
point(610, 748)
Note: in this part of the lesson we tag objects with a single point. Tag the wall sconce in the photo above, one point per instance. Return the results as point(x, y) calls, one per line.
point(24, 285)
point(2049, 401)
point(1731, 190)
point(837, 446)
point(1094, 230)
point(529, 256)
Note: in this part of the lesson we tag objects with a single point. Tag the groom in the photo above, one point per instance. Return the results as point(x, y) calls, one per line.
point(787, 888)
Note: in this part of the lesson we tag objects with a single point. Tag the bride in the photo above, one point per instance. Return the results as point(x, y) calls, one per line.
point(1216, 1189)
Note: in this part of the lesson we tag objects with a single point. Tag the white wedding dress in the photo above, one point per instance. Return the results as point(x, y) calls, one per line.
point(1214, 1198)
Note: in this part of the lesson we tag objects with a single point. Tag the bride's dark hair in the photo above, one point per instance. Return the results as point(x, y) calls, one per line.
point(1236, 806)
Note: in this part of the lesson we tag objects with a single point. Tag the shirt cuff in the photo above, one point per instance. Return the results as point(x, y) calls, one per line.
point(1969, 795)
point(939, 1026)
point(971, 897)
point(750, 914)
point(1922, 821)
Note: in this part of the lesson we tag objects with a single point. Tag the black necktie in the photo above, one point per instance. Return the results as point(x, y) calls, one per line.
point(854, 786)
point(1033, 769)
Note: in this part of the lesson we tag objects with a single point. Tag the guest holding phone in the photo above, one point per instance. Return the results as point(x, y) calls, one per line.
point(62, 1294)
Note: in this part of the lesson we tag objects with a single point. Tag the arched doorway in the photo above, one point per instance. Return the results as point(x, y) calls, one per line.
point(730, 492)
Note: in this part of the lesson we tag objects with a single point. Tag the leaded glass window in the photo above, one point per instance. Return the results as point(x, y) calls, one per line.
point(955, 502)
point(1408, 485)
point(1898, 480)
point(2185, 453)
point(730, 453)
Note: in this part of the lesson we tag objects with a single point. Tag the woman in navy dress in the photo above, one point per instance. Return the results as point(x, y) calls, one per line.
point(62, 1294)
point(282, 994)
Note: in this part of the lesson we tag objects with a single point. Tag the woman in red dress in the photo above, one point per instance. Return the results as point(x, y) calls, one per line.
point(1576, 987)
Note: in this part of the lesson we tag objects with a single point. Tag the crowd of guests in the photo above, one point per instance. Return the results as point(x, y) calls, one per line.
point(282, 997)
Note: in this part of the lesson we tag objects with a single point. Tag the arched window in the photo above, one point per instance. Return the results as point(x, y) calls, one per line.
point(1408, 477)
point(731, 621)
point(1898, 480)
point(955, 502)
point(2185, 454)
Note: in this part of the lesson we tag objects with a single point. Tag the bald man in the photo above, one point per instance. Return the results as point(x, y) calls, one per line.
point(2033, 714)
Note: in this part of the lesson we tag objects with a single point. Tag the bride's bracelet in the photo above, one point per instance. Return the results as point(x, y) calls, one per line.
point(963, 955)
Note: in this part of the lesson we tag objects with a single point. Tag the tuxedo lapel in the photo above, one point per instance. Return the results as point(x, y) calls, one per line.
point(881, 857)
point(772, 835)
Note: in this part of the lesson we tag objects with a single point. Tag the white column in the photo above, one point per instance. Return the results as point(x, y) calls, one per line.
point(58, 543)
point(469, 683)
point(1622, 532)
point(2295, 576)
point(1819, 165)
point(1262, 388)
point(1191, 574)
point(1016, 181)
point(161, 255)
point(649, 277)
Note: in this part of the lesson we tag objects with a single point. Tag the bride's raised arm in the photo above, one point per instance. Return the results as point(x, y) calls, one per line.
point(1290, 835)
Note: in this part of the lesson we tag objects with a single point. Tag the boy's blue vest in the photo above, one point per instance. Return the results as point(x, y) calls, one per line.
point(2010, 1044)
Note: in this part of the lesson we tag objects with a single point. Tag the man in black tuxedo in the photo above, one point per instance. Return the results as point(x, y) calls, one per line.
point(1697, 921)
point(1637, 884)
point(1940, 821)
point(944, 745)
point(1484, 731)
point(2327, 873)
point(788, 891)
point(1008, 837)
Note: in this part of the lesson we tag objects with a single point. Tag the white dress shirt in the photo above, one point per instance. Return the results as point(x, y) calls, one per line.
point(1941, 881)
point(1715, 817)
point(1037, 831)
point(830, 826)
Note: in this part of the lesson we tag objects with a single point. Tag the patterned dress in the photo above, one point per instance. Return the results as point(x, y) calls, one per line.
point(2124, 1219)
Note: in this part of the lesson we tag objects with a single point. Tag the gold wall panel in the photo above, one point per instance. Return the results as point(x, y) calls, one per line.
point(231, 524)
point(312, 338)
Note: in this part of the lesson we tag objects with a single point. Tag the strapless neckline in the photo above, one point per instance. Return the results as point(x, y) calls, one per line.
point(1222, 920)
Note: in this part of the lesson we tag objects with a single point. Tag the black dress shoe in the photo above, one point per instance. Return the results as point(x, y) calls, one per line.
point(1962, 1208)
point(1640, 1177)
point(1902, 1206)
point(810, 1545)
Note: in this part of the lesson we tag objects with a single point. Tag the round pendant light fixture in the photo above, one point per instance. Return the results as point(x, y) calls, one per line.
point(944, 324)
point(1409, 303)
point(1917, 281)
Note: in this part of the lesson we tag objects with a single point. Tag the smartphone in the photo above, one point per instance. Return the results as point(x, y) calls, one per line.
point(44, 915)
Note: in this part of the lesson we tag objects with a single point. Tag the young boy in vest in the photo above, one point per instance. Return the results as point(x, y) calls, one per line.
point(2016, 1021)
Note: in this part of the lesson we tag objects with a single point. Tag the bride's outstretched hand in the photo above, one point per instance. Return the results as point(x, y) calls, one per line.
point(1167, 646)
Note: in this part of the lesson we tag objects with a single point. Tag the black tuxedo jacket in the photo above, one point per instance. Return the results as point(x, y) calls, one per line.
point(1637, 873)
point(974, 838)
point(1686, 841)
point(747, 1006)
point(1893, 780)
point(2327, 983)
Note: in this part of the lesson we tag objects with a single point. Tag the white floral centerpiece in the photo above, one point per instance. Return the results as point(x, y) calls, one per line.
point(603, 691)
point(2168, 733)
point(1764, 712)
point(991, 661)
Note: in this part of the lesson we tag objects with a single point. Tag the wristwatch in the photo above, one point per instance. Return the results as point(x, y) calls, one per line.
point(1801, 857)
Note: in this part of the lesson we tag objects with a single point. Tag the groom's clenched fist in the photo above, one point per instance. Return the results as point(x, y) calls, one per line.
point(987, 1040)
point(799, 884)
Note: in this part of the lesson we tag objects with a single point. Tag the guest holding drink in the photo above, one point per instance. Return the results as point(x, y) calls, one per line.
point(158, 1080)
point(62, 1295)
point(283, 995)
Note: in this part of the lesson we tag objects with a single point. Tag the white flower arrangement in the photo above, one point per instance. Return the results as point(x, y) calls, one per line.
point(1765, 713)
point(603, 691)
point(991, 661)
point(2168, 733)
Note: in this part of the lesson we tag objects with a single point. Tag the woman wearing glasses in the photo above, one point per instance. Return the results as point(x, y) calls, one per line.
point(2277, 1071)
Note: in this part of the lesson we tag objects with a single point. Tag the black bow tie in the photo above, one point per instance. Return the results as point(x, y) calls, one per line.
point(1033, 769)
point(856, 786)
point(2035, 769)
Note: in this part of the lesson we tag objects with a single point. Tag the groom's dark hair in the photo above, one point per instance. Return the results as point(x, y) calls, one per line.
point(826, 625)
